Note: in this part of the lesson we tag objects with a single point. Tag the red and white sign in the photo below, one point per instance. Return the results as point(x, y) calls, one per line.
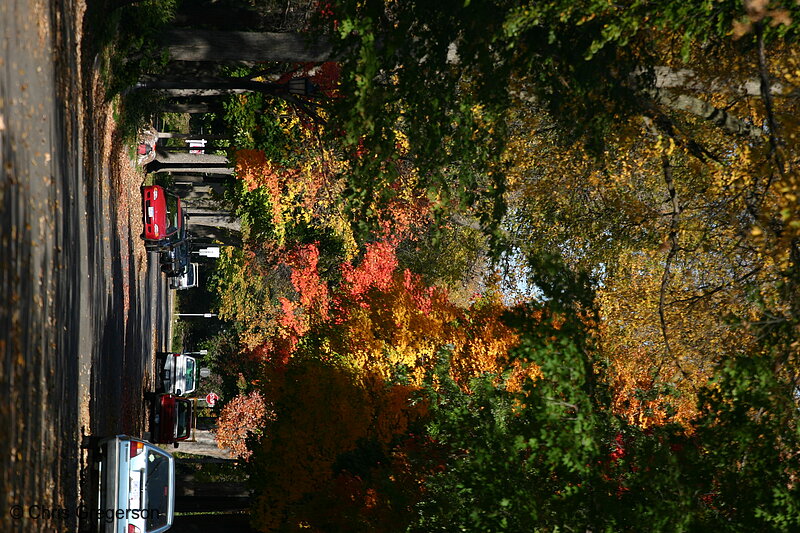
point(197, 143)
point(211, 399)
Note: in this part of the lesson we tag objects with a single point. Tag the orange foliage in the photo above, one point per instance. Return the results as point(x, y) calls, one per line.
point(386, 317)
point(346, 346)
point(313, 292)
point(374, 271)
point(240, 418)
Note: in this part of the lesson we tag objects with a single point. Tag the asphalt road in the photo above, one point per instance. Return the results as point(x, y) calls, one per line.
point(80, 318)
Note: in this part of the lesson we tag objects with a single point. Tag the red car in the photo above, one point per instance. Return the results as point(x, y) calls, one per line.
point(173, 419)
point(163, 218)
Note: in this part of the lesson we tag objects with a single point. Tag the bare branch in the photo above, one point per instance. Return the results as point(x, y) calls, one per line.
point(692, 300)
point(766, 96)
point(674, 247)
point(706, 111)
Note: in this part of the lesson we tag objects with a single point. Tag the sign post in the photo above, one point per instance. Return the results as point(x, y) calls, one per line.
point(212, 251)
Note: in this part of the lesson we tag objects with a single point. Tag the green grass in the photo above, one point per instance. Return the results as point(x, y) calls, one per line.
point(125, 38)
point(178, 325)
point(177, 122)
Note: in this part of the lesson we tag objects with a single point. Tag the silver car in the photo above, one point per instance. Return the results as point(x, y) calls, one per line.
point(179, 373)
point(136, 493)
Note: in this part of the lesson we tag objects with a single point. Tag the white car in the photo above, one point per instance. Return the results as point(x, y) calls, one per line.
point(136, 493)
point(187, 280)
point(179, 374)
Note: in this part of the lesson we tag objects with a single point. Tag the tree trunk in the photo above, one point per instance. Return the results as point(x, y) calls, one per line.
point(190, 163)
point(218, 523)
point(696, 106)
point(219, 17)
point(229, 489)
point(187, 148)
point(216, 220)
point(191, 108)
point(211, 502)
point(197, 93)
point(196, 204)
point(200, 45)
point(205, 460)
point(210, 82)
point(689, 80)
point(214, 496)
point(202, 192)
point(180, 169)
point(170, 135)
point(207, 179)
point(192, 159)
point(214, 234)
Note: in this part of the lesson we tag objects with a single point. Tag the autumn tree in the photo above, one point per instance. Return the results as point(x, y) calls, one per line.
point(242, 418)
point(649, 218)
point(358, 351)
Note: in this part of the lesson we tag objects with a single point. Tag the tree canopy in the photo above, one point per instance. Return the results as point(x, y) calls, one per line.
point(526, 266)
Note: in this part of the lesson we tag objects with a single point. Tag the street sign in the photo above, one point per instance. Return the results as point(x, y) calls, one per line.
point(211, 399)
point(209, 252)
point(196, 143)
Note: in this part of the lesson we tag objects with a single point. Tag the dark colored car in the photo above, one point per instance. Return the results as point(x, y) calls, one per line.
point(173, 419)
point(175, 258)
point(163, 217)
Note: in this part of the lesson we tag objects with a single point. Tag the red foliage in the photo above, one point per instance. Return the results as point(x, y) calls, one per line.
point(313, 291)
point(619, 449)
point(422, 295)
point(374, 272)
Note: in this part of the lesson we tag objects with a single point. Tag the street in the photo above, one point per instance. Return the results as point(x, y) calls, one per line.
point(82, 309)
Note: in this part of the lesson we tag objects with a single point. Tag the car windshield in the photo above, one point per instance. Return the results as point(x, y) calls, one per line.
point(189, 373)
point(190, 277)
point(184, 415)
point(183, 254)
point(157, 489)
point(173, 213)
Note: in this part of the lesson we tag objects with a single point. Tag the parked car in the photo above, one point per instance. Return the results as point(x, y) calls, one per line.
point(173, 419)
point(163, 216)
point(178, 373)
point(175, 258)
point(187, 280)
point(136, 491)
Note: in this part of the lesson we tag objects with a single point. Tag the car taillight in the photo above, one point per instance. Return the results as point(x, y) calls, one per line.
point(155, 230)
point(136, 448)
point(155, 194)
point(132, 529)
